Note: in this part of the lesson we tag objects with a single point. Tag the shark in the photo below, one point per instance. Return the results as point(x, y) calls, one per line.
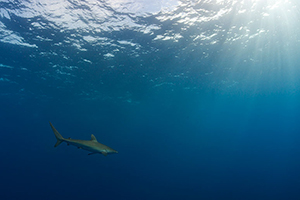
point(92, 145)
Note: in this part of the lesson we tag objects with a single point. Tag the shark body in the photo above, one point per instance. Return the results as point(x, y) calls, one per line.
point(90, 145)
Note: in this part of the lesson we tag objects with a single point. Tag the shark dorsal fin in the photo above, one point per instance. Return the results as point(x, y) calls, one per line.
point(93, 138)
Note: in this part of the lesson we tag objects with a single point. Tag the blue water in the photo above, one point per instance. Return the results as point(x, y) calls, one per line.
point(200, 99)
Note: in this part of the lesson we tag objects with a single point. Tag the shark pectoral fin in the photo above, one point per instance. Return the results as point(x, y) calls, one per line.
point(91, 153)
point(104, 153)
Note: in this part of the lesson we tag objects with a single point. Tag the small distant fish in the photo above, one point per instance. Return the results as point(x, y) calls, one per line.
point(90, 145)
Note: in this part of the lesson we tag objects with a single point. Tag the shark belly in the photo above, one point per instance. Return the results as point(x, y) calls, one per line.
point(83, 146)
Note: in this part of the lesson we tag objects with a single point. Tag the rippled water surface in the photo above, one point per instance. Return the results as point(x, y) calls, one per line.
point(200, 98)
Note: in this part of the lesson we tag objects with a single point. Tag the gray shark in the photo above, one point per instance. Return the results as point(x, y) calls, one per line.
point(90, 145)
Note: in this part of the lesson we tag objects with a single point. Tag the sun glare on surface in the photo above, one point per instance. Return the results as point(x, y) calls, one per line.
point(265, 35)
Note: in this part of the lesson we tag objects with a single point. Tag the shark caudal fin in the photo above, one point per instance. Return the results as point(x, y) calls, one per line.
point(58, 136)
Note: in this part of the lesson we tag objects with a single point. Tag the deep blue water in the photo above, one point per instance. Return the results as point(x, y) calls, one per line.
point(200, 98)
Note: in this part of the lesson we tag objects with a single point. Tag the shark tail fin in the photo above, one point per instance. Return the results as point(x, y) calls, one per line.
point(58, 136)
